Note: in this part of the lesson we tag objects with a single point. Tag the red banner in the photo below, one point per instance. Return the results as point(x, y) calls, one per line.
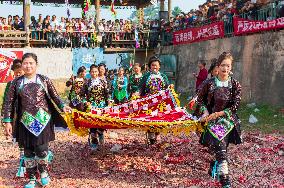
point(208, 32)
point(243, 26)
point(160, 111)
point(6, 59)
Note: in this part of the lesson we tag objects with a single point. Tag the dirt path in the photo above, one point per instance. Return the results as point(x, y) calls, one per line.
point(175, 162)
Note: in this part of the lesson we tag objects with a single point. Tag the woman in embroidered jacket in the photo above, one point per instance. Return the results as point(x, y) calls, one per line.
point(119, 87)
point(31, 95)
point(151, 83)
point(103, 75)
point(76, 95)
point(134, 81)
point(96, 91)
point(219, 99)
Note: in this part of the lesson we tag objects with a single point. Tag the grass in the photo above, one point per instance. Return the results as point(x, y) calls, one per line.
point(270, 119)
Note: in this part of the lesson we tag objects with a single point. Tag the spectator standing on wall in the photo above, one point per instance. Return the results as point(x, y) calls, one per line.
point(91, 24)
point(45, 24)
point(62, 23)
point(10, 20)
point(101, 27)
point(202, 75)
point(47, 18)
point(40, 19)
point(210, 10)
point(49, 36)
point(18, 24)
point(33, 28)
point(54, 23)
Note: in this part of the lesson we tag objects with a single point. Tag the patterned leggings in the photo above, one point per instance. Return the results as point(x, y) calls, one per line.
point(220, 151)
point(36, 159)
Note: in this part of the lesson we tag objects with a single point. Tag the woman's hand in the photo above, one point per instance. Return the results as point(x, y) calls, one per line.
point(204, 116)
point(214, 115)
point(171, 86)
point(67, 109)
point(110, 102)
point(8, 129)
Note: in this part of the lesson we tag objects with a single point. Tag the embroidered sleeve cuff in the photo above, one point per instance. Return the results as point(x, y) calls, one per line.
point(7, 120)
point(228, 112)
point(61, 106)
point(203, 108)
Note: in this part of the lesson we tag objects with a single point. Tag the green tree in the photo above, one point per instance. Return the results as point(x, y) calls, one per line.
point(176, 11)
point(150, 13)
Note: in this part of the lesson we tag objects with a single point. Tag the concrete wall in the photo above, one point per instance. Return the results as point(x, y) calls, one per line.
point(54, 63)
point(258, 65)
point(143, 58)
point(57, 64)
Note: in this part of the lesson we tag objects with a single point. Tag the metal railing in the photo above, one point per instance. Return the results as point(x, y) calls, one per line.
point(109, 39)
point(75, 39)
point(271, 11)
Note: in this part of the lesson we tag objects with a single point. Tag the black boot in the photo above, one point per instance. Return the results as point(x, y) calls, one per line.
point(42, 161)
point(225, 181)
point(31, 168)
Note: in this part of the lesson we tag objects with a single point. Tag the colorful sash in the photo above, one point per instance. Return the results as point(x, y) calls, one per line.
point(220, 127)
point(36, 124)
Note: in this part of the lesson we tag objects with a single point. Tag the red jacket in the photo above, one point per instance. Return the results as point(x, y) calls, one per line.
point(202, 75)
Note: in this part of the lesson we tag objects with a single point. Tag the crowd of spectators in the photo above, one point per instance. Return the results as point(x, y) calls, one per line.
point(81, 32)
point(224, 10)
point(12, 23)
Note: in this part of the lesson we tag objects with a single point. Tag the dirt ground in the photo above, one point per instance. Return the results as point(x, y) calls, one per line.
point(173, 162)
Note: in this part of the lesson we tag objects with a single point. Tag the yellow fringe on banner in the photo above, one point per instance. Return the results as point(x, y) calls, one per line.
point(97, 121)
point(81, 131)
point(175, 127)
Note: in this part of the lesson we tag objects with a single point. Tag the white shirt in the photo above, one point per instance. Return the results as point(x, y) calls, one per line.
point(101, 28)
point(53, 24)
point(34, 79)
point(62, 24)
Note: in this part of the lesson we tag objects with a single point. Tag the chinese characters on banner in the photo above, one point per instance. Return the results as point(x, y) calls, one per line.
point(157, 111)
point(6, 60)
point(243, 26)
point(208, 32)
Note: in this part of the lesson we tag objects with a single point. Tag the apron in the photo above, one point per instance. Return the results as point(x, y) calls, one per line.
point(35, 113)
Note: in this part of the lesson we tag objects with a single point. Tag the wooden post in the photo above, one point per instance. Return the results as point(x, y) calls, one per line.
point(27, 19)
point(170, 9)
point(28, 37)
point(98, 12)
point(162, 5)
point(26, 11)
point(140, 11)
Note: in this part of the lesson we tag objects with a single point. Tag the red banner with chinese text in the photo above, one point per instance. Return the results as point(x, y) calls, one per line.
point(6, 60)
point(243, 26)
point(208, 32)
point(160, 111)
